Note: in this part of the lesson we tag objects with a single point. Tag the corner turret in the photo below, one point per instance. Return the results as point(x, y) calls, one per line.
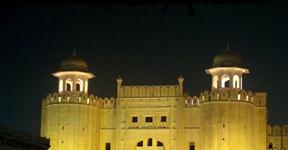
point(226, 71)
point(71, 112)
point(73, 75)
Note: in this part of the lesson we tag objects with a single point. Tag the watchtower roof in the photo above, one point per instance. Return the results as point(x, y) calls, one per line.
point(227, 59)
point(74, 63)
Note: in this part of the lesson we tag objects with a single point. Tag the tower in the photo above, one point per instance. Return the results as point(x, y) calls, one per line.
point(228, 114)
point(70, 116)
point(226, 71)
point(73, 76)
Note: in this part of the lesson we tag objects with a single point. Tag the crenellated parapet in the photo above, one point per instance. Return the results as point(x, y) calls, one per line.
point(277, 137)
point(149, 91)
point(80, 98)
point(277, 130)
point(257, 99)
point(192, 101)
point(108, 102)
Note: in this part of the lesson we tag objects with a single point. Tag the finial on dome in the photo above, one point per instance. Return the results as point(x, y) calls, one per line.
point(74, 63)
point(74, 52)
point(227, 48)
point(227, 58)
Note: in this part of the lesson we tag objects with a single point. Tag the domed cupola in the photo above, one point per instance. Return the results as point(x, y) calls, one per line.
point(74, 63)
point(227, 59)
point(73, 75)
point(226, 70)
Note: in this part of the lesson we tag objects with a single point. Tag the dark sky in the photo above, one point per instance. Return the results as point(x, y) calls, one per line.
point(35, 39)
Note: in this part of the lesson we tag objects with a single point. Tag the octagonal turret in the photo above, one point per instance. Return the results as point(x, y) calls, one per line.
point(226, 71)
point(73, 75)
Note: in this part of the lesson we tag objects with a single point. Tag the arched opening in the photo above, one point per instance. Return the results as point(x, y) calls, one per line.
point(108, 146)
point(215, 82)
point(192, 146)
point(149, 142)
point(270, 146)
point(77, 87)
point(140, 144)
point(68, 85)
point(227, 84)
point(225, 81)
point(157, 145)
point(236, 81)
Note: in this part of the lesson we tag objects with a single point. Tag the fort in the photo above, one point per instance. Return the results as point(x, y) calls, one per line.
point(160, 117)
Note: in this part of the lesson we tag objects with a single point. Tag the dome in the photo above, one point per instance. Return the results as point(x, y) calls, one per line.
point(227, 59)
point(74, 63)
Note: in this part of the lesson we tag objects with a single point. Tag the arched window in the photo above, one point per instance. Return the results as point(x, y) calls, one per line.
point(225, 81)
point(227, 84)
point(77, 87)
point(192, 146)
point(236, 81)
point(149, 143)
point(108, 146)
point(215, 82)
point(68, 85)
point(270, 146)
point(159, 143)
point(140, 144)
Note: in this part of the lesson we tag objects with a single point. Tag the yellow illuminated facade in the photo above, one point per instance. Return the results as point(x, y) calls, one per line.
point(148, 117)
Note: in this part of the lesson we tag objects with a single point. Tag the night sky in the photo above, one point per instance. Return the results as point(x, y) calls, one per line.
point(143, 44)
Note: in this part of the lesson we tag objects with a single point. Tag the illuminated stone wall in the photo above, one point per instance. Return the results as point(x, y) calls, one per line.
point(191, 115)
point(260, 123)
point(216, 120)
point(162, 105)
point(71, 121)
point(277, 137)
point(228, 121)
point(159, 117)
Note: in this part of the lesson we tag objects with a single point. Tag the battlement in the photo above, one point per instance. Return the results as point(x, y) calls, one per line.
point(192, 101)
point(149, 91)
point(83, 98)
point(257, 99)
point(277, 130)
